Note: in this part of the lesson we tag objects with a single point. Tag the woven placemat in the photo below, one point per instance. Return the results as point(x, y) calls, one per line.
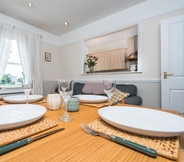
point(98, 105)
point(165, 146)
point(12, 135)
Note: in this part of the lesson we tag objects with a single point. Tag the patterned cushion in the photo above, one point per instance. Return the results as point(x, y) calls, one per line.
point(118, 96)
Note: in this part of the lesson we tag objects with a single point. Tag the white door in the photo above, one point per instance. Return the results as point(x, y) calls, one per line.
point(172, 63)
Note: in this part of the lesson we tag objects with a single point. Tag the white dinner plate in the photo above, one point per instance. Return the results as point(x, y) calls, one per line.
point(22, 98)
point(91, 98)
point(12, 116)
point(143, 121)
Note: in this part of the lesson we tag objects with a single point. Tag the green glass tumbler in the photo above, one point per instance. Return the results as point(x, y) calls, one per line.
point(73, 104)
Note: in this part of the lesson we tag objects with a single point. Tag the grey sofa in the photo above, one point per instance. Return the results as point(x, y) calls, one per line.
point(129, 88)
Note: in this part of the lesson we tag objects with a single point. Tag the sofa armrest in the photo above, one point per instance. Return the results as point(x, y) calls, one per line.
point(134, 100)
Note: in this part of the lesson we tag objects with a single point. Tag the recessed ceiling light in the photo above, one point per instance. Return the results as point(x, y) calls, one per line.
point(124, 33)
point(66, 23)
point(30, 4)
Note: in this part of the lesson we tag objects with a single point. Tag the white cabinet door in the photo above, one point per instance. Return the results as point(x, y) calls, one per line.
point(172, 63)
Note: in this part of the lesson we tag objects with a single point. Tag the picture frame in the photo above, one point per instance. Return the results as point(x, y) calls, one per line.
point(47, 56)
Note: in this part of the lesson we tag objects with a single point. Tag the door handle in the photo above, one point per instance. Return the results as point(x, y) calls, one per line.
point(167, 74)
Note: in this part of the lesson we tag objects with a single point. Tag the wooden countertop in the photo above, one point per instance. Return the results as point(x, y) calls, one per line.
point(75, 145)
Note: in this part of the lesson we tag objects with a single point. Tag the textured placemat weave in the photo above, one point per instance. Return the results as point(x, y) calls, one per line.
point(8, 136)
point(98, 105)
point(165, 146)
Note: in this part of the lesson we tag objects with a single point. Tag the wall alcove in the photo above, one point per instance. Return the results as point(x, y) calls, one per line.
point(116, 51)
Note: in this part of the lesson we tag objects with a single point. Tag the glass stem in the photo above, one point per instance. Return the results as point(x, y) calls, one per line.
point(66, 112)
point(110, 102)
point(26, 99)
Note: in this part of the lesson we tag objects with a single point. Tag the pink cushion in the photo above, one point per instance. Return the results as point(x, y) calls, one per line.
point(93, 88)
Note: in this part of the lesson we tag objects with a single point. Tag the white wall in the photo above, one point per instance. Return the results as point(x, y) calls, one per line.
point(67, 59)
point(51, 69)
point(148, 80)
point(70, 60)
point(108, 46)
point(150, 53)
point(123, 19)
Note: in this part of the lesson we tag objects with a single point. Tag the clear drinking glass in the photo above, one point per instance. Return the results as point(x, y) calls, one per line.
point(66, 91)
point(109, 88)
point(27, 88)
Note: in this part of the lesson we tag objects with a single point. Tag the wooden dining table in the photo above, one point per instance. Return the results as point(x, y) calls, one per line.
point(75, 145)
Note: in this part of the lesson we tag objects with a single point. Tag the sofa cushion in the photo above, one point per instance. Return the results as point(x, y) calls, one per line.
point(118, 96)
point(129, 88)
point(77, 88)
point(93, 88)
point(135, 100)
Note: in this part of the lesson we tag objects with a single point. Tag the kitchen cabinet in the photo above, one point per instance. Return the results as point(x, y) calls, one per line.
point(104, 59)
point(118, 59)
point(110, 60)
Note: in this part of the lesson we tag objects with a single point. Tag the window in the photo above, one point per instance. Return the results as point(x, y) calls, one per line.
point(13, 75)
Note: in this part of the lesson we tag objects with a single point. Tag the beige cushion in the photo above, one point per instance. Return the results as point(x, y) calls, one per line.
point(118, 96)
point(93, 88)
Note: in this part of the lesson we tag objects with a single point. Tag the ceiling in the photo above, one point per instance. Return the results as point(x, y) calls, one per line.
point(115, 36)
point(50, 15)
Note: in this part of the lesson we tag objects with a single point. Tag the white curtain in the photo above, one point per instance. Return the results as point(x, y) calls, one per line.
point(6, 33)
point(29, 47)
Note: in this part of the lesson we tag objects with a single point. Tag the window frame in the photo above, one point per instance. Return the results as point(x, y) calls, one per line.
point(84, 51)
point(15, 89)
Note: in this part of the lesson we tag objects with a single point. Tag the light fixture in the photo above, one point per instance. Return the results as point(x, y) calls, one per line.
point(66, 23)
point(30, 4)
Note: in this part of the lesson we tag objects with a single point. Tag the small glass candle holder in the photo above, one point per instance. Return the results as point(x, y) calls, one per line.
point(73, 104)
